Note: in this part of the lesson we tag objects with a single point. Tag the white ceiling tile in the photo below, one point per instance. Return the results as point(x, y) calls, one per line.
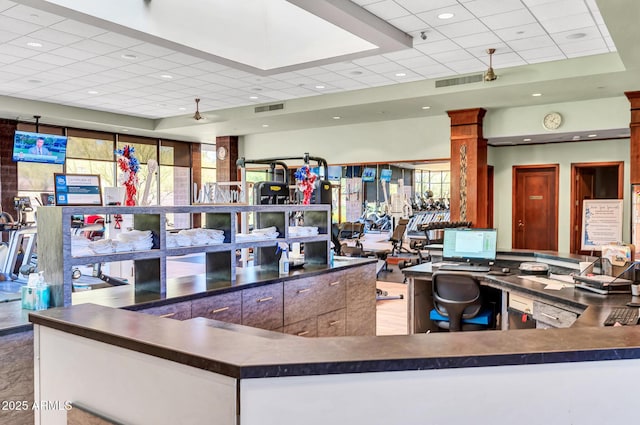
point(348, 84)
point(568, 23)
point(209, 66)
point(94, 47)
point(417, 62)
point(154, 50)
point(186, 71)
point(4, 58)
point(403, 54)
point(8, 49)
point(506, 60)
point(60, 37)
point(550, 51)
point(482, 8)
point(486, 39)
point(338, 66)
point(538, 42)
point(524, 31)
point(17, 26)
point(409, 23)
point(460, 29)
point(375, 79)
point(8, 36)
point(466, 66)
point(459, 14)
point(370, 60)
point(54, 59)
point(387, 9)
point(591, 52)
point(438, 46)
point(107, 62)
point(583, 46)
point(119, 40)
point(453, 56)
point(559, 9)
point(34, 16)
point(22, 43)
point(432, 35)
point(547, 59)
point(77, 28)
point(182, 58)
point(71, 53)
point(434, 71)
point(589, 33)
point(6, 4)
point(417, 6)
point(328, 77)
point(385, 68)
point(509, 19)
point(533, 3)
point(159, 64)
point(481, 52)
point(9, 74)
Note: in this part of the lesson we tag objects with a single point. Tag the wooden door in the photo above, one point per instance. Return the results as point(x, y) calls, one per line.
point(595, 180)
point(535, 207)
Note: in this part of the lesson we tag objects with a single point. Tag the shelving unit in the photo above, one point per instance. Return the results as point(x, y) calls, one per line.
point(56, 260)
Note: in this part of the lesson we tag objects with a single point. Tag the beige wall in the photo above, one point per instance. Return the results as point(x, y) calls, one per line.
point(428, 138)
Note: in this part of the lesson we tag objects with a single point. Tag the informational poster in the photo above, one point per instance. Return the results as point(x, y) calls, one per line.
point(601, 223)
point(77, 189)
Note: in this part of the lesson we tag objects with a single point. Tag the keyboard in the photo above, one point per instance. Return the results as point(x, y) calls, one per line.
point(464, 268)
point(622, 315)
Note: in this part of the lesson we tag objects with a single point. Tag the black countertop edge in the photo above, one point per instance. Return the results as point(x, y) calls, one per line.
point(26, 327)
point(434, 363)
point(254, 356)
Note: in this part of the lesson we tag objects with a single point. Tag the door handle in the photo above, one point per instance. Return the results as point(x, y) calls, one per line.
point(520, 223)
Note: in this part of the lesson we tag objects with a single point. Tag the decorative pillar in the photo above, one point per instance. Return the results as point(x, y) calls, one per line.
point(634, 142)
point(469, 191)
point(8, 168)
point(226, 157)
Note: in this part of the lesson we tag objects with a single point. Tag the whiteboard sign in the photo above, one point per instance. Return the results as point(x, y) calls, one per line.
point(601, 223)
point(77, 189)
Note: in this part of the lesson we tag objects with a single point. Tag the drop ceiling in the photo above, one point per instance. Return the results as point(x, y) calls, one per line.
point(81, 64)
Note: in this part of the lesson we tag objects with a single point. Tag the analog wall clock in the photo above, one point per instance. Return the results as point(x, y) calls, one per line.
point(552, 121)
point(222, 153)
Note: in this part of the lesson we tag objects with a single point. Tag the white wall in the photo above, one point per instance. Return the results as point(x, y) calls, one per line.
point(410, 139)
point(564, 154)
point(550, 394)
point(125, 386)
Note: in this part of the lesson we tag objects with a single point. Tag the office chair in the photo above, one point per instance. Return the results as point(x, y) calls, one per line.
point(458, 302)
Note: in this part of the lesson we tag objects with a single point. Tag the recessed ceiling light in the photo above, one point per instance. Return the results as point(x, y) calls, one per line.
point(401, 74)
point(128, 56)
point(182, 108)
point(593, 135)
point(319, 87)
point(356, 73)
point(520, 32)
point(93, 92)
point(576, 137)
point(166, 76)
point(124, 129)
point(336, 118)
point(536, 94)
point(446, 15)
point(426, 107)
point(526, 140)
point(34, 44)
point(253, 97)
point(576, 35)
point(265, 125)
point(256, 89)
point(34, 81)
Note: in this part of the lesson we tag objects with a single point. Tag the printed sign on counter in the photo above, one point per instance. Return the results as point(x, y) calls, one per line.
point(77, 189)
point(601, 223)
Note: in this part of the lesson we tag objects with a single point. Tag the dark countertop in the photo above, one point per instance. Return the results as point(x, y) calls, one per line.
point(13, 319)
point(233, 352)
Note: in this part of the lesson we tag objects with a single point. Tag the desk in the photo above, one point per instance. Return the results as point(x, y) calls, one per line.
point(568, 307)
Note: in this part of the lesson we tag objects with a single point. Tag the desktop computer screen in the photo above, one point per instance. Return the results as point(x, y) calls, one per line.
point(470, 245)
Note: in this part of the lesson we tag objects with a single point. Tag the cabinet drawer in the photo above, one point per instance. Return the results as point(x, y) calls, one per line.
point(332, 293)
point(333, 323)
point(301, 298)
point(553, 316)
point(307, 328)
point(262, 306)
point(225, 307)
point(520, 303)
point(177, 311)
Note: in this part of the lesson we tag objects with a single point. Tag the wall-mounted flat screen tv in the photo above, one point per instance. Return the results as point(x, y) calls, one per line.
point(369, 174)
point(39, 147)
point(385, 175)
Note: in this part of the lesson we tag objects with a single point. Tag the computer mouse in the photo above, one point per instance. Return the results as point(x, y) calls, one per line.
point(505, 270)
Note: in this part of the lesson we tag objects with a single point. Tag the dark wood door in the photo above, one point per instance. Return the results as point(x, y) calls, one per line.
point(535, 207)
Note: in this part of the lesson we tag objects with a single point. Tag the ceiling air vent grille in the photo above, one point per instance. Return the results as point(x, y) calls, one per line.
point(459, 80)
point(267, 108)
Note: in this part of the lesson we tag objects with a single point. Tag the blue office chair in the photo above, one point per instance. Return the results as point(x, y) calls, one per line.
point(458, 302)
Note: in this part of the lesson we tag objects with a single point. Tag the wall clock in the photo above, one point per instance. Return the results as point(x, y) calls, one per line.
point(222, 153)
point(552, 121)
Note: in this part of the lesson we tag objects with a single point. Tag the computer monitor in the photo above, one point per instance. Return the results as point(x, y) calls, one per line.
point(369, 175)
point(470, 245)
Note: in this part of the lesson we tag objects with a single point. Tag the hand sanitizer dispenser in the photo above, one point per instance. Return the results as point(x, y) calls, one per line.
point(283, 264)
point(35, 296)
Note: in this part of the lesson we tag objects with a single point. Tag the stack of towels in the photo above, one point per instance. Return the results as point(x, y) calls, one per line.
point(194, 237)
point(80, 245)
point(134, 240)
point(299, 231)
point(258, 234)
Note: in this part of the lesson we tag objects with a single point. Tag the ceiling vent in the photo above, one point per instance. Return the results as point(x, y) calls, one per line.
point(460, 80)
point(267, 108)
